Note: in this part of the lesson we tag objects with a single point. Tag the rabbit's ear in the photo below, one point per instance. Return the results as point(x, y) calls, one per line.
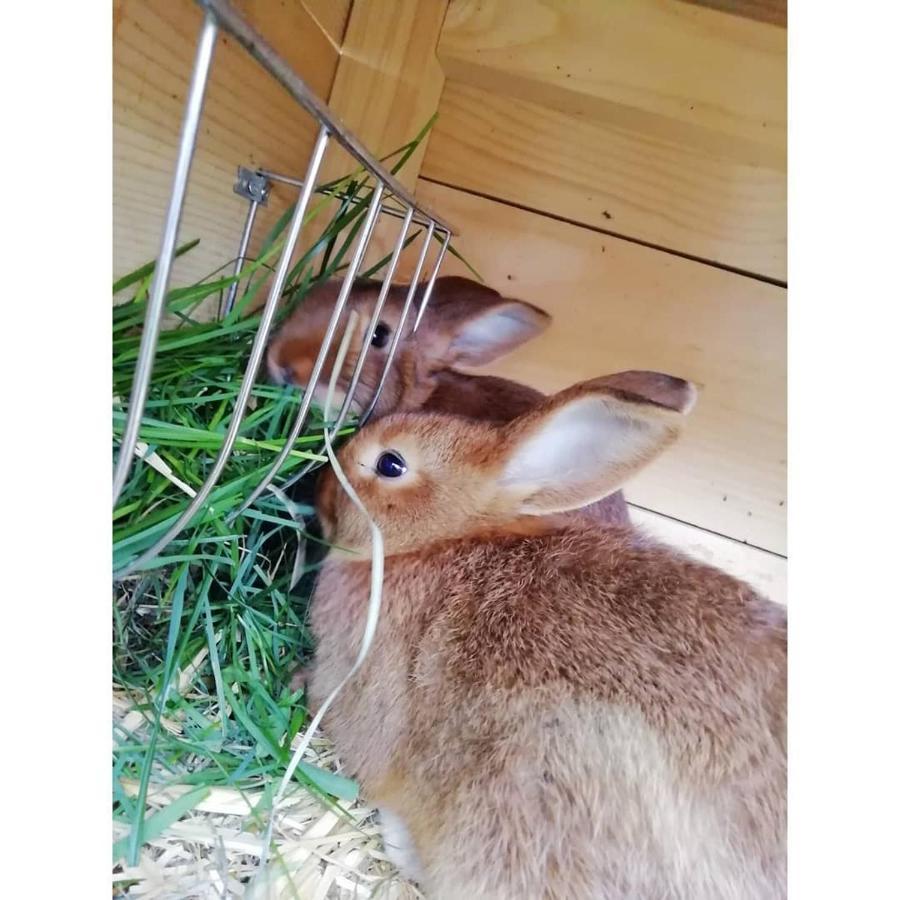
point(585, 442)
point(468, 324)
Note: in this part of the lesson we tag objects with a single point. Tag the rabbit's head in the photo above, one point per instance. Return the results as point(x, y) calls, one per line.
point(466, 324)
point(428, 477)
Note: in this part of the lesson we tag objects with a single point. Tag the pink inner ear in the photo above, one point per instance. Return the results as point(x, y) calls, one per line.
point(482, 338)
point(653, 387)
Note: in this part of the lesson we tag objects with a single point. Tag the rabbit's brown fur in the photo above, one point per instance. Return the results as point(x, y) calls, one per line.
point(548, 731)
point(550, 710)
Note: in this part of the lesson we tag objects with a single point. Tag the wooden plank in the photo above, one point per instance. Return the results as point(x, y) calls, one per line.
point(332, 15)
point(671, 70)
point(628, 182)
point(248, 119)
point(388, 81)
point(767, 572)
point(618, 305)
point(297, 36)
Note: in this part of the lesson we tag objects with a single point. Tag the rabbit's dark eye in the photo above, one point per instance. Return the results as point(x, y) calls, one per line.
point(390, 464)
point(380, 335)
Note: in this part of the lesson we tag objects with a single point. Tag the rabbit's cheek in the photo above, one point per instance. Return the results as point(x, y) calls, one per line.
point(325, 501)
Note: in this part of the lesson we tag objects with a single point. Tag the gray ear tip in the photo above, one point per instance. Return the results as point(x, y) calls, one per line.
point(666, 391)
point(677, 393)
point(690, 396)
point(681, 394)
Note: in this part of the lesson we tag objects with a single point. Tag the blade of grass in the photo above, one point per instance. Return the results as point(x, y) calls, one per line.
point(136, 838)
point(157, 823)
point(149, 268)
point(330, 782)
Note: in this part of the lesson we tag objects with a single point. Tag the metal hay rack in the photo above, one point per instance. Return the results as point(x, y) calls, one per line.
point(388, 198)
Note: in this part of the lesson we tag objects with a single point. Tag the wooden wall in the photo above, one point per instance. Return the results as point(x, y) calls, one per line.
point(621, 164)
point(654, 119)
point(248, 119)
point(379, 73)
point(389, 80)
point(720, 492)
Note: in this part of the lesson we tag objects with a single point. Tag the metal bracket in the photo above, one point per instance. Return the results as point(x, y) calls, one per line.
point(252, 185)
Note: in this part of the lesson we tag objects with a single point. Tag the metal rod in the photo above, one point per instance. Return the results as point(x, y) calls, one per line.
point(394, 211)
point(266, 55)
point(403, 316)
point(241, 258)
point(437, 267)
point(373, 323)
point(155, 305)
point(256, 354)
point(343, 294)
point(364, 349)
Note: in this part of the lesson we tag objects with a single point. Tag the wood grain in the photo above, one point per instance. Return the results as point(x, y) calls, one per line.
point(297, 36)
point(388, 80)
point(385, 86)
point(703, 78)
point(248, 119)
point(616, 306)
point(628, 182)
point(767, 572)
point(332, 15)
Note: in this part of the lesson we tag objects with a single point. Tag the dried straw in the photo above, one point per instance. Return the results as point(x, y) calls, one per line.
point(214, 850)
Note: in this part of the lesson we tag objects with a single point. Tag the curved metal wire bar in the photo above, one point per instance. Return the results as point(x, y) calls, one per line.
point(364, 349)
point(386, 209)
point(343, 294)
point(256, 354)
point(403, 317)
point(434, 272)
point(263, 52)
point(156, 303)
point(373, 322)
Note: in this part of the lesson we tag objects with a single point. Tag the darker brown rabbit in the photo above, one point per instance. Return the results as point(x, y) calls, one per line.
point(549, 709)
point(466, 324)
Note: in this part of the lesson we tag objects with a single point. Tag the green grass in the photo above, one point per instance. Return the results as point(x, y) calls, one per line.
point(219, 597)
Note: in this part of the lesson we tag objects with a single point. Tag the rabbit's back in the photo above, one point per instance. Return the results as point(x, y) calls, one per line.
point(577, 714)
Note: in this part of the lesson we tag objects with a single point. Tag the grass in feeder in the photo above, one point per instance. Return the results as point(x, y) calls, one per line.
point(208, 634)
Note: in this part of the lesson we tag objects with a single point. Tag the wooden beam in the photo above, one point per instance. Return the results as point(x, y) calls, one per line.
point(332, 15)
point(296, 34)
point(675, 71)
point(248, 119)
point(627, 182)
point(618, 305)
point(388, 80)
point(659, 121)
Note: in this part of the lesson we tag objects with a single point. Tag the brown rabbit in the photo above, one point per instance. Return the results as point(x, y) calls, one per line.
point(550, 709)
point(466, 324)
